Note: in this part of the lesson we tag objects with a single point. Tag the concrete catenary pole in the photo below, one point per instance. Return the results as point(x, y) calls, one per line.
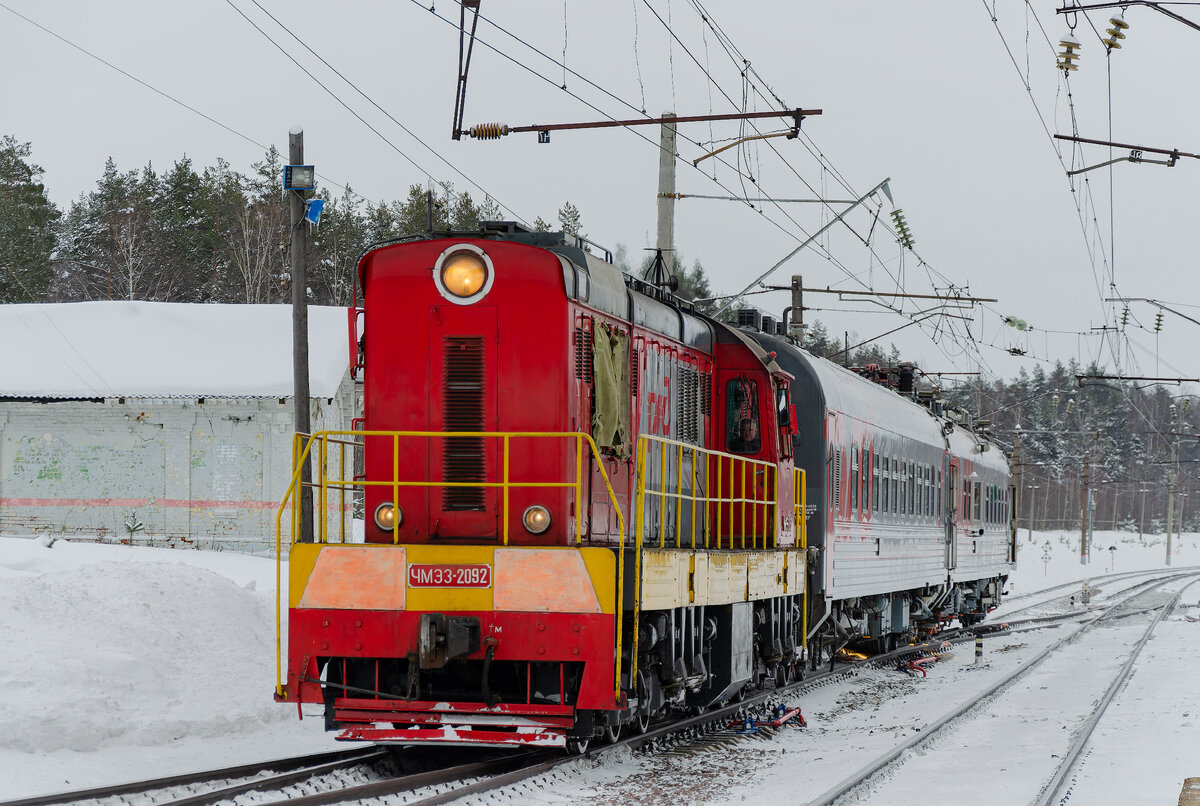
point(1171, 496)
point(1018, 491)
point(303, 423)
point(1085, 498)
point(666, 192)
point(1032, 510)
point(1142, 516)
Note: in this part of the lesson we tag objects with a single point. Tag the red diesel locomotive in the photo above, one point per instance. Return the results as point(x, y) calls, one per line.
point(582, 506)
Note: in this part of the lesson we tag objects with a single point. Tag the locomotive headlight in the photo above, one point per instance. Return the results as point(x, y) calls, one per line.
point(463, 274)
point(388, 516)
point(536, 519)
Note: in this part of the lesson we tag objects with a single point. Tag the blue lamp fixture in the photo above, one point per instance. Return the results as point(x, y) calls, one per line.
point(299, 177)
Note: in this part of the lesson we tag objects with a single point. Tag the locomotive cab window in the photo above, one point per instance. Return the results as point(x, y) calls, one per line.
point(741, 416)
point(783, 414)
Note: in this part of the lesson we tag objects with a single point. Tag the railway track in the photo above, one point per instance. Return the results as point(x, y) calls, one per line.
point(861, 779)
point(1043, 600)
point(1059, 787)
point(221, 778)
point(332, 776)
point(294, 780)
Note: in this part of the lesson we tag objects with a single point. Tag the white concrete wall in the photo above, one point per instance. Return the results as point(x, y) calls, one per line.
point(208, 473)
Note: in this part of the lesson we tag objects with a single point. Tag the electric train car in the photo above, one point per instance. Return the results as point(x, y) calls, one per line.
point(587, 506)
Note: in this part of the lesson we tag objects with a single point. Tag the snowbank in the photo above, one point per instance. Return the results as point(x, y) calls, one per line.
point(131, 662)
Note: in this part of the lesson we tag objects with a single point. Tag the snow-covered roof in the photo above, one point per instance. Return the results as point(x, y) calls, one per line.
point(161, 349)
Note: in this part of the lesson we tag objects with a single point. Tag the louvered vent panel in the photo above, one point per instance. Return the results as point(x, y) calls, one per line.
point(583, 351)
point(462, 410)
point(706, 394)
point(635, 372)
point(687, 411)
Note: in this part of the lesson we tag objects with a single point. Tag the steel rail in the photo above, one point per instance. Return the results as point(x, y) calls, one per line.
point(1115, 577)
point(869, 770)
point(342, 757)
point(407, 783)
point(1111, 576)
point(269, 782)
point(504, 779)
point(1055, 787)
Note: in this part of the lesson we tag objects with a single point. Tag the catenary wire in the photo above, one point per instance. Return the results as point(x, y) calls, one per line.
point(389, 115)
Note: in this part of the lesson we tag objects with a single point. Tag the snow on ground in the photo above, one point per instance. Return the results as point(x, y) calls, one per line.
point(132, 662)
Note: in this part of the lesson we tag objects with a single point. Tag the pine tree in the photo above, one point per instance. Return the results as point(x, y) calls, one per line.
point(27, 226)
point(570, 220)
point(337, 243)
point(182, 238)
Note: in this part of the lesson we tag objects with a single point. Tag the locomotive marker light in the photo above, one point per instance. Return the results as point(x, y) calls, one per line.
point(388, 516)
point(536, 519)
point(463, 274)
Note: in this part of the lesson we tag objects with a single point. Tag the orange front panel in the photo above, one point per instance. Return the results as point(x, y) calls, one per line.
point(542, 581)
point(356, 578)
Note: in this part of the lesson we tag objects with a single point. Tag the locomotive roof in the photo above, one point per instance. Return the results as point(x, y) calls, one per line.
point(851, 394)
point(609, 288)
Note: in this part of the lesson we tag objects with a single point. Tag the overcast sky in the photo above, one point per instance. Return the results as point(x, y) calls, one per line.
point(923, 92)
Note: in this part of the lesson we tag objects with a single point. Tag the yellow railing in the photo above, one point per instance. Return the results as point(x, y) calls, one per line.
point(800, 505)
point(324, 483)
point(726, 518)
point(739, 474)
point(338, 483)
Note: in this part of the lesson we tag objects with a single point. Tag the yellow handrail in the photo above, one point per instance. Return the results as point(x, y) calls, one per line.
point(800, 525)
point(302, 452)
point(642, 453)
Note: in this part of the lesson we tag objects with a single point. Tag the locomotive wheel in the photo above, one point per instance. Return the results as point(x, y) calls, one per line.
point(612, 733)
point(577, 747)
point(641, 722)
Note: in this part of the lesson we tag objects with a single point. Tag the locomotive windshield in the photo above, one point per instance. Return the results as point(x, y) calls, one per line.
point(741, 416)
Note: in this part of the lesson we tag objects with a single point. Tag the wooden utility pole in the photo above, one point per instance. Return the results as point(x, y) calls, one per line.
point(303, 423)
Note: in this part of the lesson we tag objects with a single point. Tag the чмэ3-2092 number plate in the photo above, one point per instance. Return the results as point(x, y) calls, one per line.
point(449, 576)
